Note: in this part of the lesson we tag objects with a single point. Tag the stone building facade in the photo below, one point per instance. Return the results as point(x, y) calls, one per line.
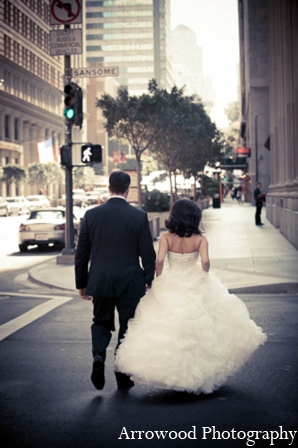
point(269, 105)
point(30, 86)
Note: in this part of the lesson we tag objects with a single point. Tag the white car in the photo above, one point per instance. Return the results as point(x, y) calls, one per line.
point(18, 205)
point(38, 201)
point(45, 226)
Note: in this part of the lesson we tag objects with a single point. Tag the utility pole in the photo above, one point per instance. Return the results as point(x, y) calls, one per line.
point(69, 237)
point(256, 145)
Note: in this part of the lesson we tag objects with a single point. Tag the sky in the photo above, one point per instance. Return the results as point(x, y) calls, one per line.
point(215, 23)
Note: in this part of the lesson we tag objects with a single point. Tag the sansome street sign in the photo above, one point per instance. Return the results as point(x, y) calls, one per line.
point(66, 12)
point(94, 72)
point(66, 41)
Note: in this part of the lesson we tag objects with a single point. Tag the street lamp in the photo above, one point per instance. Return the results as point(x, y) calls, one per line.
point(256, 144)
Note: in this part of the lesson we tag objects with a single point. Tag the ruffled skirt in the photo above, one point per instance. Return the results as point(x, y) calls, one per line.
point(188, 334)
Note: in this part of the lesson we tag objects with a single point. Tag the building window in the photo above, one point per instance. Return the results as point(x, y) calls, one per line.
point(6, 126)
point(6, 160)
point(16, 129)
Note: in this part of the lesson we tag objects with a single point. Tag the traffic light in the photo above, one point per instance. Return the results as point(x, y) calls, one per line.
point(91, 153)
point(65, 155)
point(73, 101)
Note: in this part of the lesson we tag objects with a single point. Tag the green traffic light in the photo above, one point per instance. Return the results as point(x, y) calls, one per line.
point(69, 113)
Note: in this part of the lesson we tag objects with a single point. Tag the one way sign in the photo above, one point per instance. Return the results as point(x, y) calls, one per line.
point(91, 154)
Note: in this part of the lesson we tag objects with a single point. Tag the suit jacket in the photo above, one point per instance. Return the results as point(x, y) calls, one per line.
point(114, 237)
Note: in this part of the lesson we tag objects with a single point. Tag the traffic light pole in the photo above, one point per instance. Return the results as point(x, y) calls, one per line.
point(69, 240)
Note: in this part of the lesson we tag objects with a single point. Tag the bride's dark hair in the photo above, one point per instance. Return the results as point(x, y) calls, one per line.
point(184, 219)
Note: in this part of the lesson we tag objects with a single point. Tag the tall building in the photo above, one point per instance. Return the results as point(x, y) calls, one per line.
point(269, 105)
point(187, 53)
point(133, 35)
point(30, 86)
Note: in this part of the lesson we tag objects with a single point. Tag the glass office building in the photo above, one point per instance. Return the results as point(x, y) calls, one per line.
point(133, 35)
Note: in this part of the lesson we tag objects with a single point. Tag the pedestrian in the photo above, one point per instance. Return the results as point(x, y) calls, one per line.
point(189, 333)
point(113, 237)
point(260, 199)
point(239, 195)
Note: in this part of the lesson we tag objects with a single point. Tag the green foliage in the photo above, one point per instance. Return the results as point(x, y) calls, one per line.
point(210, 186)
point(232, 111)
point(129, 164)
point(174, 127)
point(12, 173)
point(43, 174)
point(154, 201)
point(83, 177)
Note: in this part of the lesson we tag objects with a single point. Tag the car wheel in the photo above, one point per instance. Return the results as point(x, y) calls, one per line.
point(23, 247)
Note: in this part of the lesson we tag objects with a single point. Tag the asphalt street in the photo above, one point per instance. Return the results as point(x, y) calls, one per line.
point(48, 400)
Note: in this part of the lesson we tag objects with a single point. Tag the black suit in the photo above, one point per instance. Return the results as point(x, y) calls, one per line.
point(259, 205)
point(114, 237)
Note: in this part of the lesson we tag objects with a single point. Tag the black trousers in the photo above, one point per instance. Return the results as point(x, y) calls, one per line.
point(259, 206)
point(104, 320)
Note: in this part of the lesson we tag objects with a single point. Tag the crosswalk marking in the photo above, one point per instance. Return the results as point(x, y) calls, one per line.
point(35, 313)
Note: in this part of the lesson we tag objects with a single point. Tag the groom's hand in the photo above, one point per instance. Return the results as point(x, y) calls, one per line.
point(82, 293)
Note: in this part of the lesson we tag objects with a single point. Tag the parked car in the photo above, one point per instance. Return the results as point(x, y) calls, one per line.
point(44, 227)
point(103, 194)
point(38, 201)
point(18, 205)
point(78, 198)
point(3, 207)
point(92, 197)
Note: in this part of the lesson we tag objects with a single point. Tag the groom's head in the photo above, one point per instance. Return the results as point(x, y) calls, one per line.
point(119, 182)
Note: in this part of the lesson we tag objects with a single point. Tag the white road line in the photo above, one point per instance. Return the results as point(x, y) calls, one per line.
point(30, 316)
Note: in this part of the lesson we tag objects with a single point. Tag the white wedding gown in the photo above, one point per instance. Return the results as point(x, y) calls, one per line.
point(189, 333)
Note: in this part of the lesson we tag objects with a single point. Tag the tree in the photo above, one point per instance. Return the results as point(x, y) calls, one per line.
point(12, 173)
point(129, 164)
point(189, 139)
point(232, 111)
point(83, 177)
point(131, 119)
point(44, 174)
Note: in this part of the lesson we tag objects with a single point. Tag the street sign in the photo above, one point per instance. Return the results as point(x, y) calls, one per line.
point(94, 72)
point(63, 13)
point(66, 41)
point(91, 153)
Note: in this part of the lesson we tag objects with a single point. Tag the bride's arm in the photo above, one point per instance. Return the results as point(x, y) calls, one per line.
point(203, 251)
point(162, 252)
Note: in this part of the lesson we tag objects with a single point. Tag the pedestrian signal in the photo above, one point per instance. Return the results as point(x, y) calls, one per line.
point(91, 153)
point(65, 155)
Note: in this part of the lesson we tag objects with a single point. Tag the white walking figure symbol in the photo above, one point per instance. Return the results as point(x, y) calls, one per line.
point(87, 155)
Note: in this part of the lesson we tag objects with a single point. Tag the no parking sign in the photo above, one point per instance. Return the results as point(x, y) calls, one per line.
point(66, 12)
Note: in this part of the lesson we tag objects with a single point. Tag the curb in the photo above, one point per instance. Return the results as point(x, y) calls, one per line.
point(278, 288)
point(48, 285)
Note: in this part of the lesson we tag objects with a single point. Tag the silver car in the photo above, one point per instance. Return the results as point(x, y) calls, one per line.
point(38, 201)
point(18, 205)
point(44, 227)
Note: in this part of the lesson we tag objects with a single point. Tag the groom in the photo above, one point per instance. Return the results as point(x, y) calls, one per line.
point(113, 237)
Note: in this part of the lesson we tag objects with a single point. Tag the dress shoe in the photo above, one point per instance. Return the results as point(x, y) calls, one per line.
point(123, 381)
point(261, 224)
point(98, 373)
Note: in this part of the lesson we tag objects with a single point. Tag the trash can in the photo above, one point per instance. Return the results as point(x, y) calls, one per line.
point(216, 201)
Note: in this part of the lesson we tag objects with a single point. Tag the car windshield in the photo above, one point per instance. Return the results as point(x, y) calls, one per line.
point(12, 200)
point(47, 214)
point(33, 199)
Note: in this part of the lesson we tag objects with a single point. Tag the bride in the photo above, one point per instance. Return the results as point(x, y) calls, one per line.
point(189, 333)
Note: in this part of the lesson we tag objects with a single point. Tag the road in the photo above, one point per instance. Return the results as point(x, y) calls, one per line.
point(47, 399)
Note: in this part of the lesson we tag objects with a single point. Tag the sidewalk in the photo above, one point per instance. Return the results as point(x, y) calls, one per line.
point(247, 258)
